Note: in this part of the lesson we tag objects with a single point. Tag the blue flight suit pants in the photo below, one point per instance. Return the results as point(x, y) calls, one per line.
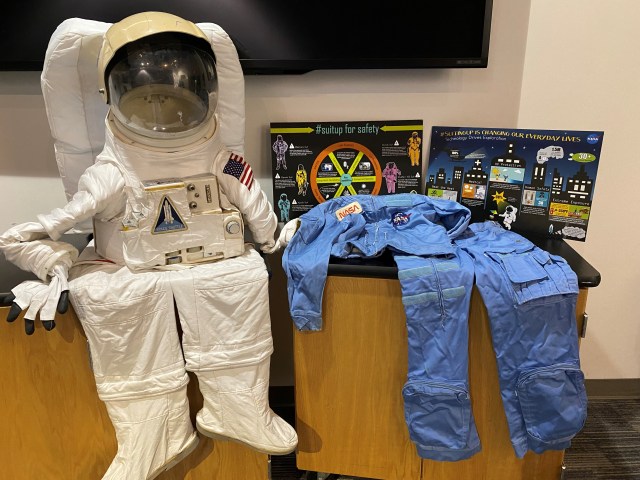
point(530, 297)
point(436, 292)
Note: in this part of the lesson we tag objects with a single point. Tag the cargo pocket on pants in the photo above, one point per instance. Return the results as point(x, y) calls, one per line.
point(553, 402)
point(526, 273)
point(437, 414)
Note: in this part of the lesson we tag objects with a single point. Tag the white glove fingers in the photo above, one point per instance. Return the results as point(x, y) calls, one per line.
point(48, 311)
point(41, 299)
point(25, 292)
point(37, 302)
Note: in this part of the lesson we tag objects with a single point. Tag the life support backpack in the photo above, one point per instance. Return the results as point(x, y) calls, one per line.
point(76, 112)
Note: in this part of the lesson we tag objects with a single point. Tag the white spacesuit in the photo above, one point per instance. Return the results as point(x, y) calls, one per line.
point(152, 255)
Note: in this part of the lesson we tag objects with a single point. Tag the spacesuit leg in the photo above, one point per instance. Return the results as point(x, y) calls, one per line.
point(130, 325)
point(224, 311)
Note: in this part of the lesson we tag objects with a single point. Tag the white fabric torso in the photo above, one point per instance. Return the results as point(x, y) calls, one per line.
point(138, 164)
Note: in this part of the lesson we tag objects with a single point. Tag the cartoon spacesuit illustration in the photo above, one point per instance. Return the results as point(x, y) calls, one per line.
point(284, 205)
point(280, 147)
point(301, 180)
point(391, 173)
point(413, 149)
point(509, 216)
point(162, 123)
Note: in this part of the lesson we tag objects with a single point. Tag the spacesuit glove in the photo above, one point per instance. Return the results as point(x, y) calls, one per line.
point(286, 234)
point(41, 297)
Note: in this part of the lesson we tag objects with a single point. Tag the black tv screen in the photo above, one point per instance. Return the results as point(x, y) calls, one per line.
point(279, 36)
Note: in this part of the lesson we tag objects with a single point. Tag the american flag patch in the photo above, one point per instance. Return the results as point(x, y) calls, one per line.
point(237, 167)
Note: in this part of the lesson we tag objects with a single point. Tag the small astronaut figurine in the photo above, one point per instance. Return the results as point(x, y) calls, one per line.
point(169, 203)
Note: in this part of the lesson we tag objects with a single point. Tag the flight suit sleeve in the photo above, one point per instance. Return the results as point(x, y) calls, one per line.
point(305, 262)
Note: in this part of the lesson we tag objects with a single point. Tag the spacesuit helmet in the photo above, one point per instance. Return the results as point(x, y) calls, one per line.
point(157, 72)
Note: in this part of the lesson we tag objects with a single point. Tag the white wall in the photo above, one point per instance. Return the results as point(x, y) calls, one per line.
point(29, 181)
point(581, 73)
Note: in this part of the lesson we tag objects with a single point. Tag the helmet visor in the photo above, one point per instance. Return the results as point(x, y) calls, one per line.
point(162, 90)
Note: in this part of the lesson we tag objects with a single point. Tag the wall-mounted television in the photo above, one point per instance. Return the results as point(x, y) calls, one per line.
point(279, 36)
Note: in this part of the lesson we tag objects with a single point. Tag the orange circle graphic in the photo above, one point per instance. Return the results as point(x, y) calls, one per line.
point(343, 179)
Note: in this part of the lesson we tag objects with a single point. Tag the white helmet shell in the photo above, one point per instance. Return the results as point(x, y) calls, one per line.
point(158, 75)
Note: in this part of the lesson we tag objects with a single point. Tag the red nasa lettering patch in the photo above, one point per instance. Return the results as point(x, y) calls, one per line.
point(350, 209)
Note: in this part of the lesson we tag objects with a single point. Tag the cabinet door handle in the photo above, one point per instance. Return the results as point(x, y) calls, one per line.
point(585, 320)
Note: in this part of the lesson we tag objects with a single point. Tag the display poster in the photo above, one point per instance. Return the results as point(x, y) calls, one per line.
point(314, 162)
point(535, 181)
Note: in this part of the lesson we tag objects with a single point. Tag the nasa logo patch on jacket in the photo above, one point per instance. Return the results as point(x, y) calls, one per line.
point(400, 218)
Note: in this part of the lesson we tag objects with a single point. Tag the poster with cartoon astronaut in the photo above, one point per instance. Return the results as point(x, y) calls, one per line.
point(535, 181)
point(313, 162)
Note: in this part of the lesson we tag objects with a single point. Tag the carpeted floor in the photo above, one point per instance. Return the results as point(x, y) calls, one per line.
point(608, 448)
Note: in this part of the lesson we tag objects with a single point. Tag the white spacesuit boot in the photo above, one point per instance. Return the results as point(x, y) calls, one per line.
point(236, 407)
point(153, 434)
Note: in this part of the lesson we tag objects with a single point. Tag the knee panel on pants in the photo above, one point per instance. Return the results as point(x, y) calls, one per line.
point(438, 414)
point(553, 401)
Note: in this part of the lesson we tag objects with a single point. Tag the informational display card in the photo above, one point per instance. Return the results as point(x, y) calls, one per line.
point(530, 181)
point(314, 162)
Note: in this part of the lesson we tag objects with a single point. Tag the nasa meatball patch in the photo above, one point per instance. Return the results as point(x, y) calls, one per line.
point(400, 218)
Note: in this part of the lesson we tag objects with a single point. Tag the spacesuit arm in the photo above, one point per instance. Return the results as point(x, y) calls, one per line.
point(29, 246)
point(100, 191)
point(25, 246)
point(33, 247)
point(37, 256)
point(243, 191)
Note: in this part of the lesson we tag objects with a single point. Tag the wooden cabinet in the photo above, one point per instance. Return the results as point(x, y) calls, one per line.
point(348, 382)
point(55, 427)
